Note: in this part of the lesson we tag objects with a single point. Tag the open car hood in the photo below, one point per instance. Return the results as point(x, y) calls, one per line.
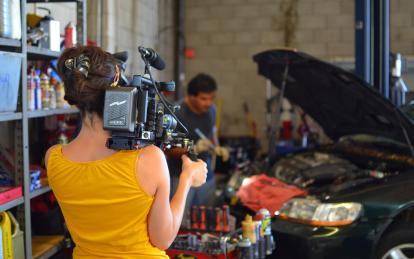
point(338, 100)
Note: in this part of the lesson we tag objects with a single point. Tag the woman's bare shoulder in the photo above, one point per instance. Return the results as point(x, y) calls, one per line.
point(152, 151)
point(151, 168)
point(50, 151)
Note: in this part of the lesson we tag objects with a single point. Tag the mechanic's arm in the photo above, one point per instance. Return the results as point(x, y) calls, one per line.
point(164, 219)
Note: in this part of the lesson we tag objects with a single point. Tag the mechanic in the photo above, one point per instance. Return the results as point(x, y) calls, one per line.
point(198, 113)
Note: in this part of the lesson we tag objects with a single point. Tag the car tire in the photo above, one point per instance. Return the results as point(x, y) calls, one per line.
point(397, 244)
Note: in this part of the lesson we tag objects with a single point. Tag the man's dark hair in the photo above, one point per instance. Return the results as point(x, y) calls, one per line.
point(201, 83)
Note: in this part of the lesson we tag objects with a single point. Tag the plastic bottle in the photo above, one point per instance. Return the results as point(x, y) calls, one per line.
point(44, 83)
point(248, 228)
point(52, 97)
point(52, 91)
point(60, 94)
point(31, 102)
point(37, 90)
point(267, 228)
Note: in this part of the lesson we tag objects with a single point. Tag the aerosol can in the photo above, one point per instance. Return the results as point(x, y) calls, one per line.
point(70, 35)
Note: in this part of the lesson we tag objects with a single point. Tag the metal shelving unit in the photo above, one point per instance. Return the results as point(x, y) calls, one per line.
point(10, 42)
point(22, 117)
point(45, 113)
point(39, 192)
point(11, 204)
point(36, 53)
point(51, 1)
point(47, 246)
point(10, 116)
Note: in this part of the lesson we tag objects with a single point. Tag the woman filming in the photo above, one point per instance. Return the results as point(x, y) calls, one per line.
point(115, 203)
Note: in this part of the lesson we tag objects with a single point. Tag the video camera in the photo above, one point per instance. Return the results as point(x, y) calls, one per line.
point(138, 115)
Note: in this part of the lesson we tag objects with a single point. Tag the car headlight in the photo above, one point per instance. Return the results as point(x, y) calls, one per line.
point(313, 212)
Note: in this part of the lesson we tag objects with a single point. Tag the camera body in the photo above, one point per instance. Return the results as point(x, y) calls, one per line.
point(136, 117)
point(137, 114)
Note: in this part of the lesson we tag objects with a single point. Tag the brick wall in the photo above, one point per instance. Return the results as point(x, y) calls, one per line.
point(127, 24)
point(227, 33)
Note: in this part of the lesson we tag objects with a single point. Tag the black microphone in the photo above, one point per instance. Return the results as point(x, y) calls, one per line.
point(152, 57)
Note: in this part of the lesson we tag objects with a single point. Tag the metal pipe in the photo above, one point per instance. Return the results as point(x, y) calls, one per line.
point(363, 39)
point(381, 43)
point(25, 137)
point(99, 13)
point(81, 21)
point(179, 48)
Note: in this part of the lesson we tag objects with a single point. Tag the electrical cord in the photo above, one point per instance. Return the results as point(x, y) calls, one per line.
point(147, 70)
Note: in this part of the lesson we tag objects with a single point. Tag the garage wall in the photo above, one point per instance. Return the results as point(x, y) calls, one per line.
point(226, 33)
point(128, 24)
point(125, 25)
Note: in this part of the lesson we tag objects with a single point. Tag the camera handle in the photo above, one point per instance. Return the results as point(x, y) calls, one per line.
point(192, 155)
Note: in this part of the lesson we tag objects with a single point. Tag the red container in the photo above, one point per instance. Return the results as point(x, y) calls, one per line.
point(8, 193)
point(70, 35)
point(172, 253)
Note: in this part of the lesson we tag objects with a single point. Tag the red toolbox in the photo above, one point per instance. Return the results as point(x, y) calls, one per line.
point(185, 254)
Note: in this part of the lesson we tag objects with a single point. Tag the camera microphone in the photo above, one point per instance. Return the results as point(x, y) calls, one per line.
point(152, 57)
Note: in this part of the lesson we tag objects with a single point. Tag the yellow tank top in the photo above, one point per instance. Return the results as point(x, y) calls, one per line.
point(104, 206)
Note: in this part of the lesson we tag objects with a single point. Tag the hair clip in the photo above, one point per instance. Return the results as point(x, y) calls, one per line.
point(116, 77)
point(80, 63)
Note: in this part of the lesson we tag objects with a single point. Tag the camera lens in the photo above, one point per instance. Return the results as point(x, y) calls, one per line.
point(168, 122)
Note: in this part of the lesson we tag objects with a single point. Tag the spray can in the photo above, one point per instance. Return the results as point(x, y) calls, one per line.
point(226, 216)
point(30, 93)
point(202, 218)
point(261, 249)
point(194, 217)
point(267, 228)
point(244, 249)
point(52, 91)
point(44, 84)
point(70, 35)
point(218, 219)
point(37, 90)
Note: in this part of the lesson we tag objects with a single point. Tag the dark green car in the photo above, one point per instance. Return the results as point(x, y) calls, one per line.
point(360, 201)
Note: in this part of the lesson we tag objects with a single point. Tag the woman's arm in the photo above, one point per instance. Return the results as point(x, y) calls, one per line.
point(164, 219)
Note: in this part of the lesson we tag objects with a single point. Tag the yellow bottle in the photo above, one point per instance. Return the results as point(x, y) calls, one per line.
point(248, 228)
point(60, 94)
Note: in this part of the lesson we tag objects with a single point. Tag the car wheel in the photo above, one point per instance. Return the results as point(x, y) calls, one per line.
point(397, 244)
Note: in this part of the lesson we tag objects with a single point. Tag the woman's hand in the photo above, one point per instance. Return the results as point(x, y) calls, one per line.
point(195, 172)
